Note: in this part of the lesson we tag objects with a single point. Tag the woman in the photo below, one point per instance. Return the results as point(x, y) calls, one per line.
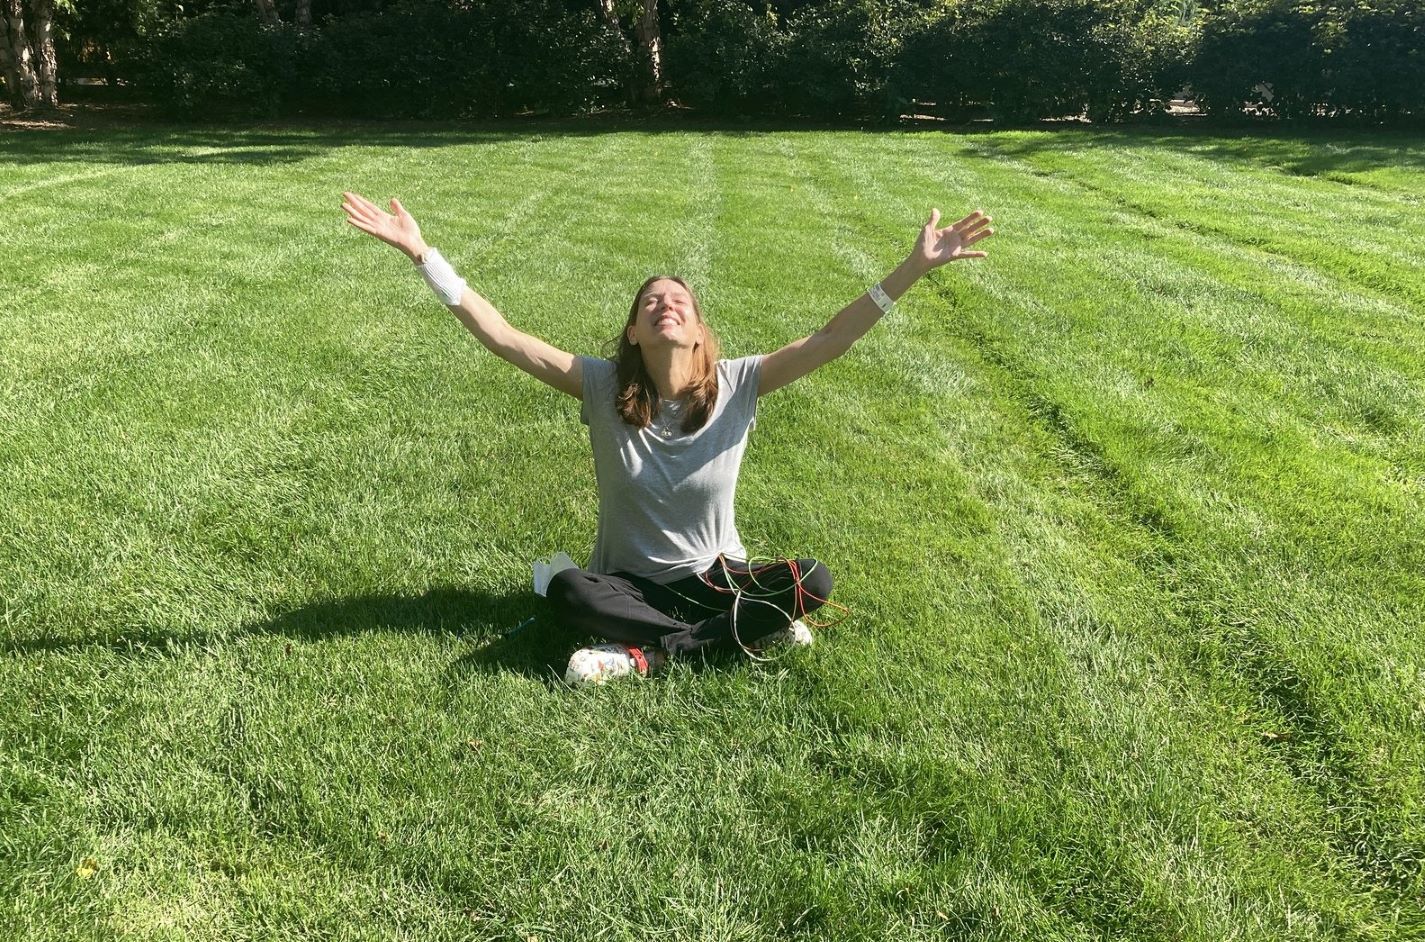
point(668, 421)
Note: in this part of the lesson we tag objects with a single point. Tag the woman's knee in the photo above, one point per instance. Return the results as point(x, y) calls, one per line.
point(815, 582)
point(567, 591)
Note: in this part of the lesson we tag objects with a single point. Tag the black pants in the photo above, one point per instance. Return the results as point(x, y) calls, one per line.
point(698, 613)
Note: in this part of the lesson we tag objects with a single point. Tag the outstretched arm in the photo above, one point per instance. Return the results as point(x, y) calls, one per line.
point(933, 248)
point(544, 362)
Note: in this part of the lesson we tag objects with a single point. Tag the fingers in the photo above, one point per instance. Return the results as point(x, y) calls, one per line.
point(364, 215)
point(972, 228)
point(353, 213)
point(362, 224)
point(976, 218)
point(361, 208)
point(356, 199)
point(934, 218)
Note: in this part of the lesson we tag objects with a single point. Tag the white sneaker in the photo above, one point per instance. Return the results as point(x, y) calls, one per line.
point(604, 662)
point(796, 634)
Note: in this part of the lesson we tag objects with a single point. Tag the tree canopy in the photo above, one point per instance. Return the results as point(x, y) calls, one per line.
point(1110, 60)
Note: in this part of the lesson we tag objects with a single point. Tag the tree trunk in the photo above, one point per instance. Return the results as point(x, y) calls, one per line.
point(304, 13)
point(8, 63)
point(609, 15)
point(47, 70)
point(26, 90)
point(267, 9)
point(650, 47)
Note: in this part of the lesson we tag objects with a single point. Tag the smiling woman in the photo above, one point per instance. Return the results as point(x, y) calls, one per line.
point(668, 423)
point(665, 307)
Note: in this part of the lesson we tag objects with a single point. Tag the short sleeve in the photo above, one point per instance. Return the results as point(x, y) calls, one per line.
point(599, 375)
point(745, 373)
point(743, 377)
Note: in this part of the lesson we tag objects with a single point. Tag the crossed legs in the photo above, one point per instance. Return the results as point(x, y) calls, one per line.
point(730, 603)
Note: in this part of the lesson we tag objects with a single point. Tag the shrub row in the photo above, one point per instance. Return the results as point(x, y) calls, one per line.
point(1298, 58)
point(1013, 59)
point(412, 60)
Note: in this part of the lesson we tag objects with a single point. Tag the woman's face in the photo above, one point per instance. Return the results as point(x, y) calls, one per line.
point(665, 317)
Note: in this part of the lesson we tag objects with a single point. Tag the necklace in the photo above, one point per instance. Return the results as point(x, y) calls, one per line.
point(670, 417)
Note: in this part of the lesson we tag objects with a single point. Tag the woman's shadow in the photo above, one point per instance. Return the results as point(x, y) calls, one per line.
point(511, 632)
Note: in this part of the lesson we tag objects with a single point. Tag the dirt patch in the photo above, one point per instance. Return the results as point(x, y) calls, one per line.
point(72, 117)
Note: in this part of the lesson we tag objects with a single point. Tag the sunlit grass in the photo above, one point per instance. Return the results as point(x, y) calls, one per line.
point(1129, 518)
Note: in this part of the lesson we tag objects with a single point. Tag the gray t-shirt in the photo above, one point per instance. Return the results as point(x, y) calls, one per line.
point(665, 498)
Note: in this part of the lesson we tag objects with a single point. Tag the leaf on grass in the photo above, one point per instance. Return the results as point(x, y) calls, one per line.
point(1272, 736)
point(87, 868)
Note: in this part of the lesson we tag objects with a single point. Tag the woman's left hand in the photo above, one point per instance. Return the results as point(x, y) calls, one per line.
point(936, 246)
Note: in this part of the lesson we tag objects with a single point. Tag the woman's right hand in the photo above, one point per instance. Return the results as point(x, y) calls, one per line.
point(399, 230)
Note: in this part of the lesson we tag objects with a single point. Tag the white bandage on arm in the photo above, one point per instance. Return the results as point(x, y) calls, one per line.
point(447, 285)
point(883, 300)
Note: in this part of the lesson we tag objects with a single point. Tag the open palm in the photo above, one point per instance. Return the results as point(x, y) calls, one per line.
point(396, 228)
point(936, 246)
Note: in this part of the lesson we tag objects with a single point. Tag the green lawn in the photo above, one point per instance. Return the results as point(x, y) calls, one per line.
point(1130, 518)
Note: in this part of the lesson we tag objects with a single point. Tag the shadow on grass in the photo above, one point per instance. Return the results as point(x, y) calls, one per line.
point(1303, 151)
point(153, 142)
point(515, 629)
point(1297, 151)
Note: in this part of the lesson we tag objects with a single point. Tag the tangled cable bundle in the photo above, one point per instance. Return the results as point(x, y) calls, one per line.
point(745, 588)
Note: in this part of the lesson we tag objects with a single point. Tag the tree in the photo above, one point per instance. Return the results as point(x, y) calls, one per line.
point(28, 55)
point(101, 37)
point(647, 45)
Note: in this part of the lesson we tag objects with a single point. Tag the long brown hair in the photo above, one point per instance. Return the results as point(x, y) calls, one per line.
point(637, 400)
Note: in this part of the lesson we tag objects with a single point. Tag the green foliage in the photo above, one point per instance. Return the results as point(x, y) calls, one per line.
point(1294, 59)
point(1258, 53)
point(353, 70)
point(838, 57)
point(1016, 60)
point(722, 57)
point(221, 64)
point(411, 60)
point(1376, 51)
point(824, 60)
point(100, 37)
point(1048, 58)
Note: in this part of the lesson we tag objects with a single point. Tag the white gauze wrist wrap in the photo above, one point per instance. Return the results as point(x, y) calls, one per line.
point(883, 300)
point(447, 285)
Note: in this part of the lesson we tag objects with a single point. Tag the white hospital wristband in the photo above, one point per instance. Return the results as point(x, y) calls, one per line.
point(883, 300)
point(447, 285)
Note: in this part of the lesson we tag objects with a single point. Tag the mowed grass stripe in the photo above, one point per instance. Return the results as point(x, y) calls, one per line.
point(1122, 337)
point(1084, 634)
point(931, 498)
point(1266, 341)
point(369, 757)
point(277, 368)
point(903, 537)
point(1338, 240)
point(1355, 319)
point(1331, 658)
